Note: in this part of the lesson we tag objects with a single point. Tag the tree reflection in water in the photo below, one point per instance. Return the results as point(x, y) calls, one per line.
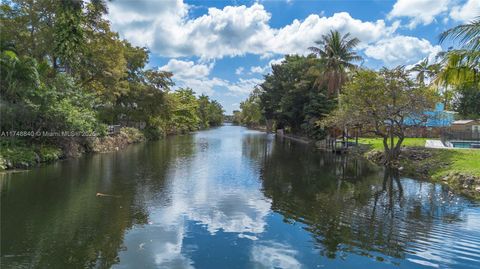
point(216, 199)
point(57, 218)
point(355, 207)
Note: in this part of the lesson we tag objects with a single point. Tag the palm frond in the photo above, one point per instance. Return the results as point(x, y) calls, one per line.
point(468, 35)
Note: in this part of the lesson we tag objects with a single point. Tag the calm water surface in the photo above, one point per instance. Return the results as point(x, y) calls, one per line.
point(231, 198)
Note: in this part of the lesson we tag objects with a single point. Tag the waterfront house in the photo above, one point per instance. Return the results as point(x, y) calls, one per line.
point(468, 126)
point(463, 134)
point(431, 123)
point(465, 130)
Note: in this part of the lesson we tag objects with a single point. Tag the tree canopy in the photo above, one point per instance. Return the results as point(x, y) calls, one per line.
point(63, 68)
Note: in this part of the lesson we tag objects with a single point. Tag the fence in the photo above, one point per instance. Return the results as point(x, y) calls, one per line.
point(448, 135)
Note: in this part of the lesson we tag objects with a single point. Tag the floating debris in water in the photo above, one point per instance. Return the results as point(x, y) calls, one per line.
point(99, 194)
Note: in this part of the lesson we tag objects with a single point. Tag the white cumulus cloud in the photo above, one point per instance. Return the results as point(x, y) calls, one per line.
point(197, 77)
point(168, 30)
point(243, 86)
point(187, 69)
point(267, 68)
point(239, 70)
point(299, 35)
point(419, 11)
point(258, 69)
point(401, 50)
point(464, 13)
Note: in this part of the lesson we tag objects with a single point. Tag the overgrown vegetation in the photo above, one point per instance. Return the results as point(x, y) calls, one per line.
point(291, 98)
point(16, 153)
point(67, 74)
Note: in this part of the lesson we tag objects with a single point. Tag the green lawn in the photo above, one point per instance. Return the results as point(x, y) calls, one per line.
point(377, 143)
point(442, 161)
point(462, 160)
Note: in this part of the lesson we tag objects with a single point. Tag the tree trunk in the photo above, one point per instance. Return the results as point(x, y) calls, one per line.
point(387, 150)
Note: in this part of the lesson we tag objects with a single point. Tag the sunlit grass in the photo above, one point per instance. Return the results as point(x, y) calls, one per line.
point(377, 143)
point(455, 160)
point(461, 160)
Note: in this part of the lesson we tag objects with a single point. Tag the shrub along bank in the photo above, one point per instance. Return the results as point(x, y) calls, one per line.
point(22, 154)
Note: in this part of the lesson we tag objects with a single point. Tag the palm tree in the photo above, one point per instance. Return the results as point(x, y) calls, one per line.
point(462, 65)
point(336, 52)
point(458, 67)
point(425, 70)
point(468, 35)
point(421, 68)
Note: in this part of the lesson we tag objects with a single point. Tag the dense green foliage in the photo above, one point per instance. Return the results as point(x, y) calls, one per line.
point(302, 90)
point(399, 103)
point(460, 69)
point(209, 111)
point(289, 98)
point(22, 154)
point(64, 69)
point(467, 101)
point(305, 94)
point(251, 111)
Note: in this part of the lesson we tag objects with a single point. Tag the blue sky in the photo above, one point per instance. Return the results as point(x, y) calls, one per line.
point(224, 48)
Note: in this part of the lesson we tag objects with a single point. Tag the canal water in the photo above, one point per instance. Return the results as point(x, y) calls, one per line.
point(230, 197)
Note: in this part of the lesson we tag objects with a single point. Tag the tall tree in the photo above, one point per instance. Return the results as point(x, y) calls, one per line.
point(290, 99)
point(69, 33)
point(462, 65)
point(385, 103)
point(336, 52)
point(460, 70)
point(251, 114)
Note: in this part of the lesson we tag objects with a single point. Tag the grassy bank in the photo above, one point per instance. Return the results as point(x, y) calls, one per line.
point(377, 143)
point(457, 160)
point(459, 168)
